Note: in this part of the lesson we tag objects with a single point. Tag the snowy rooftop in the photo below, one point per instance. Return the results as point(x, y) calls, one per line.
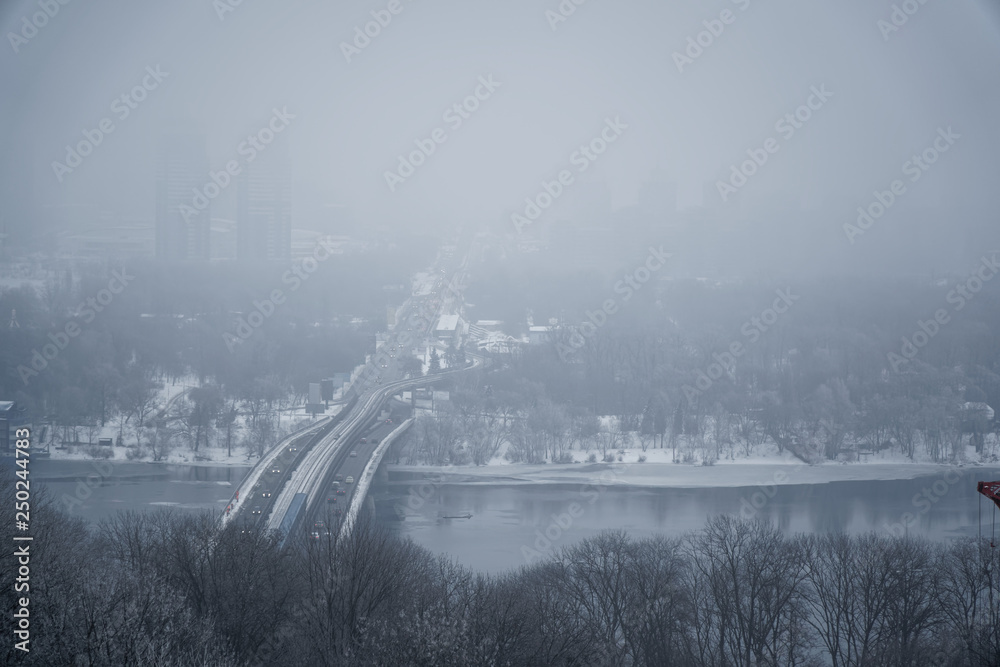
point(448, 322)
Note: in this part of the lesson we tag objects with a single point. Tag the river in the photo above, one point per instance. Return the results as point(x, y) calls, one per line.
point(514, 524)
point(98, 489)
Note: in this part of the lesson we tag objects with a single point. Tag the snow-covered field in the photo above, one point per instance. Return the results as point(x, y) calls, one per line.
point(764, 466)
point(658, 470)
point(206, 456)
point(649, 474)
point(291, 420)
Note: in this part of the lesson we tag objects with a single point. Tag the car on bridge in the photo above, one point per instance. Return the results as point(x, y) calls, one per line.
point(341, 492)
point(355, 453)
point(256, 510)
point(338, 477)
point(349, 480)
point(293, 449)
point(275, 470)
point(332, 499)
point(265, 494)
point(364, 441)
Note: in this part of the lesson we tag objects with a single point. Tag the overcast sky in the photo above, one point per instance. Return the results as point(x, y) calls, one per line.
point(557, 87)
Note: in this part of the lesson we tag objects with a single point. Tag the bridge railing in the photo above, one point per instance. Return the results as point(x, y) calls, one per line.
point(361, 490)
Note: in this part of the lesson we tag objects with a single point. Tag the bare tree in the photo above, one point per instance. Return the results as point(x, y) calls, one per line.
point(610, 438)
point(968, 591)
point(750, 595)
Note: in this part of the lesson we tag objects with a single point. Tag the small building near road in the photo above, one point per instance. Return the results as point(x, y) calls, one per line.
point(539, 335)
point(448, 328)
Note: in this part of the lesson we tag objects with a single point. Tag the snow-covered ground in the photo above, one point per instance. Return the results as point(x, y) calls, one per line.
point(291, 420)
point(658, 471)
point(206, 456)
point(765, 466)
point(423, 283)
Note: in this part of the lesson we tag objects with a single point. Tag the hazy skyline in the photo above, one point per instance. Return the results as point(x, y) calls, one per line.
point(889, 97)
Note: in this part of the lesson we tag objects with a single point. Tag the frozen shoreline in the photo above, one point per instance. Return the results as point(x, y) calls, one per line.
point(763, 468)
point(234, 461)
point(678, 475)
point(206, 457)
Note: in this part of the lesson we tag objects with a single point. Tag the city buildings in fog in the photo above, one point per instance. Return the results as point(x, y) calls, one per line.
point(264, 206)
point(183, 198)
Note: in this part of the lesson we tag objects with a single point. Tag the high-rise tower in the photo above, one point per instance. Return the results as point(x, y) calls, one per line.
point(264, 206)
point(183, 216)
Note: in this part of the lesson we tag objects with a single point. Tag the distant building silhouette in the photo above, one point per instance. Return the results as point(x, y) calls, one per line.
point(183, 212)
point(264, 206)
point(658, 197)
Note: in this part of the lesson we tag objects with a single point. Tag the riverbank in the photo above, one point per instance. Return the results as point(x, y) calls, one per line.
point(208, 456)
point(746, 472)
point(179, 455)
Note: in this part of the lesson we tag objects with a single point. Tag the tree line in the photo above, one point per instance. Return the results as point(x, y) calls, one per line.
point(819, 375)
point(172, 589)
point(167, 325)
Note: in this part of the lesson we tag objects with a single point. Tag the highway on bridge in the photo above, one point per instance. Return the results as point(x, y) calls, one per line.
point(291, 487)
point(312, 481)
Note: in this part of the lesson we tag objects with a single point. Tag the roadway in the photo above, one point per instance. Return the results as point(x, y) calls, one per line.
point(256, 488)
point(353, 467)
point(321, 454)
point(331, 456)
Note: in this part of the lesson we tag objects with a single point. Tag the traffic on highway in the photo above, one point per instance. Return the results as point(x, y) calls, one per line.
point(308, 487)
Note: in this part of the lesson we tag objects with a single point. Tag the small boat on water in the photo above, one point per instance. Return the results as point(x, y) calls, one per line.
point(459, 516)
